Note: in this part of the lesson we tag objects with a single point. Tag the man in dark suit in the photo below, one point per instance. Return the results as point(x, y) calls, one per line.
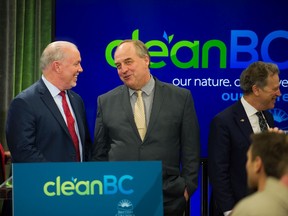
point(230, 131)
point(171, 131)
point(36, 129)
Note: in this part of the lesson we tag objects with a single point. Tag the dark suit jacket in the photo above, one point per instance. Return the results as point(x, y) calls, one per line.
point(36, 130)
point(229, 141)
point(172, 135)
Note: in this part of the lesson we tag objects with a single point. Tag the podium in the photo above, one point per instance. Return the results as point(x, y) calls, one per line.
point(89, 188)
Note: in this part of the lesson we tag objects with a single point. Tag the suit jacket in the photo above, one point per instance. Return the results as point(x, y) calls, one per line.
point(172, 135)
point(228, 143)
point(36, 131)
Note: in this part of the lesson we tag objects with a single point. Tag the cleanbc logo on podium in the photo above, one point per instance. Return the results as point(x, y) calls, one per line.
point(88, 188)
point(109, 185)
point(199, 50)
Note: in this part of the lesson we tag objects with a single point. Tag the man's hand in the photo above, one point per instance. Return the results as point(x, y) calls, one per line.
point(186, 195)
point(276, 130)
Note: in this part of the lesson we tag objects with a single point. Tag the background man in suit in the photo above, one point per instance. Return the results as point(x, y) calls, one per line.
point(267, 171)
point(36, 129)
point(230, 131)
point(172, 134)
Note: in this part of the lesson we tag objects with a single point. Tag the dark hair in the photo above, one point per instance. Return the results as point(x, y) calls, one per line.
point(257, 74)
point(272, 148)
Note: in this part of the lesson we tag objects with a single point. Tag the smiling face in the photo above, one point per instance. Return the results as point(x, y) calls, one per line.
point(267, 95)
point(69, 68)
point(132, 69)
point(261, 85)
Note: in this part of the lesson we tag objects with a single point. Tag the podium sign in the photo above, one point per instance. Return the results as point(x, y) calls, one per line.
point(89, 188)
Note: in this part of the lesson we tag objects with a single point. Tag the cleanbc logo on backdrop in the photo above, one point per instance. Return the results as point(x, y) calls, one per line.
point(171, 51)
point(108, 186)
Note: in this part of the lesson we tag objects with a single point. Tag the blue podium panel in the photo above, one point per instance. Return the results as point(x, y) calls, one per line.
point(90, 188)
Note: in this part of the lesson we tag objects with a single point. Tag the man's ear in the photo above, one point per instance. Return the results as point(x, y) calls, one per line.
point(56, 66)
point(255, 90)
point(258, 165)
point(147, 60)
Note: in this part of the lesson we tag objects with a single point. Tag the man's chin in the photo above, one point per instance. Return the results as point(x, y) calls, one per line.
point(128, 84)
point(73, 84)
point(272, 106)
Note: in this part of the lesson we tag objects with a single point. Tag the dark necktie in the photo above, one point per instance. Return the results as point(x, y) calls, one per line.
point(70, 124)
point(262, 121)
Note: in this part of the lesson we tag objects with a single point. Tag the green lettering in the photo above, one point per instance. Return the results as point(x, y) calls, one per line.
point(86, 190)
point(100, 186)
point(162, 53)
point(58, 186)
point(109, 51)
point(45, 188)
point(193, 62)
point(205, 52)
point(67, 188)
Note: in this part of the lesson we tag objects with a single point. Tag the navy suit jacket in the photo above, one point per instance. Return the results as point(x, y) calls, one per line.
point(36, 131)
point(228, 144)
point(172, 135)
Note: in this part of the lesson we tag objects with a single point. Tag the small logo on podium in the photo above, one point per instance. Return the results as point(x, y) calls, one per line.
point(125, 208)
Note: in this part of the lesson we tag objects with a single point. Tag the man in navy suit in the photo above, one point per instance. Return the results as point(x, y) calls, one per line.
point(230, 131)
point(36, 129)
point(172, 131)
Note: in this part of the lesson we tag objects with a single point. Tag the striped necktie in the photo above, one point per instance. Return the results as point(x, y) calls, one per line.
point(262, 121)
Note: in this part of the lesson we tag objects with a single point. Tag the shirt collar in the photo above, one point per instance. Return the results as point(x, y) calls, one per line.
point(249, 109)
point(147, 89)
point(54, 91)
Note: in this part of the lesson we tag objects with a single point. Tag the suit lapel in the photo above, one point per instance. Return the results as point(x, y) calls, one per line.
point(126, 105)
point(242, 120)
point(159, 97)
point(51, 105)
point(77, 114)
point(269, 118)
